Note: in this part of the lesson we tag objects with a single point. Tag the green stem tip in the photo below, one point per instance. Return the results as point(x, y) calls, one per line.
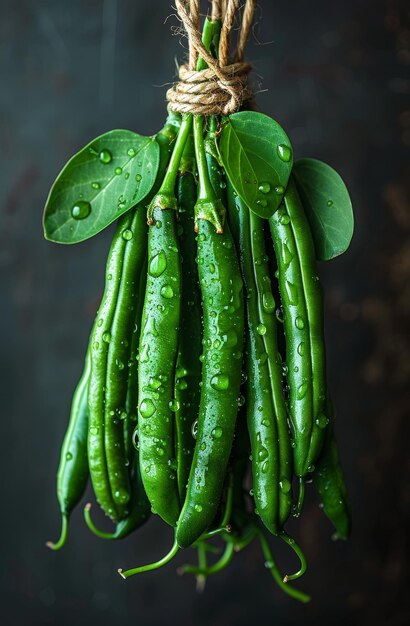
point(298, 551)
point(156, 565)
point(99, 533)
point(63, 535)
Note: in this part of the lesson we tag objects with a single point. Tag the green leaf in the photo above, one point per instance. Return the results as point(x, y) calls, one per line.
point(257, 156)
point(98, 184)
point(328, 207)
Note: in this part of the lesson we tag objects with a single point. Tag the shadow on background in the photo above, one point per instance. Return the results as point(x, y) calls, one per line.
point(335, 75)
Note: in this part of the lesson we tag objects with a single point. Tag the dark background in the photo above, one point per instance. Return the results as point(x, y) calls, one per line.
point(336, 77)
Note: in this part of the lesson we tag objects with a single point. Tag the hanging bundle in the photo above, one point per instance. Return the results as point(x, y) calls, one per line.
point(204, 397)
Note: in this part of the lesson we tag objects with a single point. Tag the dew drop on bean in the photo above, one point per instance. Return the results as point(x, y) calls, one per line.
point(268, 302)
point(321, 421)
point(106, 336)
point(147, 407)
point(167, 292)
point(158, 264)
point(302, 389)
point(299, 323)
point(220, 382)
point(174, 405)
point(127, 234)
point(216, 433)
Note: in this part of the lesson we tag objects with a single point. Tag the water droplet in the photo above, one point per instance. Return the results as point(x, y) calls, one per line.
point(127, 234)
point(147, 407)
point(100, 322)
point(261, 328)
point(158, 264)
point(118, 170)
point(263, 203)
point(321, 421)
point(216, 433)
point(265, 467)
point(302, 389)
point(106, 336)
point(279, 190)
point(284, 218)
point(285, 485)
point(268, 302)
point(212, 268)
point(95, 185)
point(81, 210)
point(138, 178)
point(96, 345)
point(301, 348)
point(217, 344)
point(299, 323)
point(329, 203)
point(287, 256)
point(263, 454)
point(119, 364)
point(220, 382)
point(194, 429)
point(105, 156)
point(131, 152)
point(68, 456)
point(167, 292)
point(280, 314)
point(264, 187)
point(109, 277)
point(292, 292)
point(198, 508)
point(284, 152)
point(135, 441)
point(241, 400)
point(174, 405)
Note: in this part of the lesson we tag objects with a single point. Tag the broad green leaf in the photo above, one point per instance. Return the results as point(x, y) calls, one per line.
point(98, 184)
point(257, 156)
point(328, 207)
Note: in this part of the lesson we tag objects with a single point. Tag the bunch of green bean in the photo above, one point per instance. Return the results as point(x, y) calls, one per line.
point(203, 398)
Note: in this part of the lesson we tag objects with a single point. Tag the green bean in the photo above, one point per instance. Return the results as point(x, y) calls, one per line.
point(188, 370)
point(297, 336)
point(222, 302)
point(329, 482)
point(72, 474)
point(314, 309)
point(159, 345)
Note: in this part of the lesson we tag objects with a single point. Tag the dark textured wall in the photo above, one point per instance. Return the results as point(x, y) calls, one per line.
point(336, 76)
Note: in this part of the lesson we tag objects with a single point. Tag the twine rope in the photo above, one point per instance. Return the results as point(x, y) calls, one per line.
point(222, 88)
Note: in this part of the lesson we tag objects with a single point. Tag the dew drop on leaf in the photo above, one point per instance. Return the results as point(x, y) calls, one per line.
point(81, 210)
point(105, 156)
point(284, 152)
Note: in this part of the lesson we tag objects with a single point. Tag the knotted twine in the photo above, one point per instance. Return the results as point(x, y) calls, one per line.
point(222, 88)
